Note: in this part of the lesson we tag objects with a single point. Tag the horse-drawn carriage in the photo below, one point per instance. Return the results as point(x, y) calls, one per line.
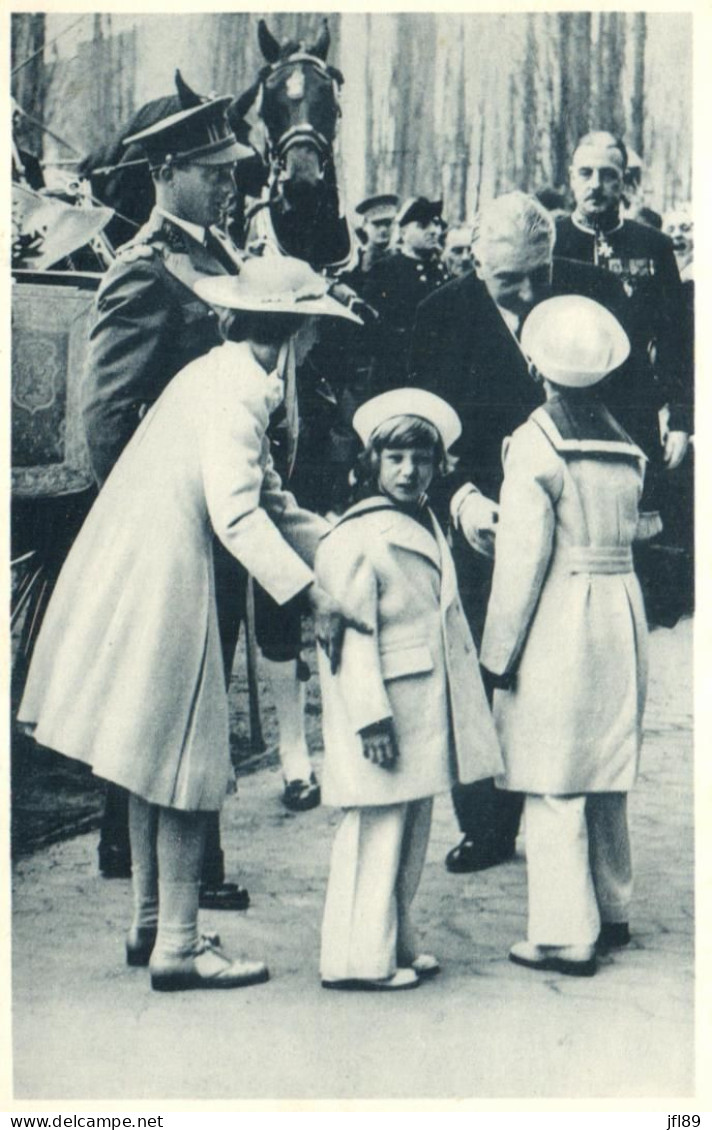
point(60, 248)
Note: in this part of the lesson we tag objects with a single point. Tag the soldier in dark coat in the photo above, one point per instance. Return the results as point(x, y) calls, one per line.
point(376, 220)
point(465, 348)
point(397, 284)
point(149, 325)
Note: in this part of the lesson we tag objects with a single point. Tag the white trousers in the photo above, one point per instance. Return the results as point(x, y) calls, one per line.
point(579, 869)
point(376, 865)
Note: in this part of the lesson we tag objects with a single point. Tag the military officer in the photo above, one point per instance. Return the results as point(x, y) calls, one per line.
point(654, 402)
point(376, 217)
point(644, 262)
point(149, 325)
point(397, 284)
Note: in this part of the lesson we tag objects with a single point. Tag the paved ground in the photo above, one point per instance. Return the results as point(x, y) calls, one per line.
point(87, 1027)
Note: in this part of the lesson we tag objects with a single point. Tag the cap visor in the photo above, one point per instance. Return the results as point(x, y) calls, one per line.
point(228, 156)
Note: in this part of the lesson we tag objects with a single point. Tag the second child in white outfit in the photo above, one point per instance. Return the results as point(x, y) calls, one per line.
point(406, 714)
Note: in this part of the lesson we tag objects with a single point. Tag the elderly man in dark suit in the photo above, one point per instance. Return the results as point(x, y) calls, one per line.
point(465, 347)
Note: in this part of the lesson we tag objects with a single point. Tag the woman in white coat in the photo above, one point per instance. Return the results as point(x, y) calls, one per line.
point(566, 638)
point(406, 714)
point(127, 674)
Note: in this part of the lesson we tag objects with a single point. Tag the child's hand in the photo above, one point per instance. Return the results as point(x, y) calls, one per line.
point(379, 743)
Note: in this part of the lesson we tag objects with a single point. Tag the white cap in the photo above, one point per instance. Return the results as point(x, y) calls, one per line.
point(408, 402)
point(574, 341)
point(273, 284)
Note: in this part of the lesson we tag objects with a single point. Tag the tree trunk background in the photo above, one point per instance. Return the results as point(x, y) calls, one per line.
point(461, 106)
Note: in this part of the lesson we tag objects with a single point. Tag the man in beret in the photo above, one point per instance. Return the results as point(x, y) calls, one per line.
point(397, 284)
point(150, 324)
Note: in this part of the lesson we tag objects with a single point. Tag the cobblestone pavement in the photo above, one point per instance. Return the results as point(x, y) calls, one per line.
point(87, 1027)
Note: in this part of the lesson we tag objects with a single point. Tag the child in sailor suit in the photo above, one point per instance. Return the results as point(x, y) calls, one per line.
point(565, 638)
point(406, 714)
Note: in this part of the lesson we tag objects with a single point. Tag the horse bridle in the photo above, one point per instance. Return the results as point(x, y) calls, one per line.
point(300, 134)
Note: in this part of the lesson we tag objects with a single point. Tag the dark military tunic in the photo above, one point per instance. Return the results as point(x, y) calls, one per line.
point(150, 324)
point(643, 260)
point(395, 286)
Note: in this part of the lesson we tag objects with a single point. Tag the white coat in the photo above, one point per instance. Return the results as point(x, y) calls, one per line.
point(419, 668)
point(127, 673)
point(566, 612)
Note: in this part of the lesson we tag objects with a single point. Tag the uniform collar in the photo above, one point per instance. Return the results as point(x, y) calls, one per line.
point(195, 231)
point(581, 224)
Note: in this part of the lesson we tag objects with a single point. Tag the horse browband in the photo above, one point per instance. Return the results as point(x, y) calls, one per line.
point(300, 57)
point(302, 132)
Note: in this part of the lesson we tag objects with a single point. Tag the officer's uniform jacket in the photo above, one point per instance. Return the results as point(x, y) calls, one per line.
point(643, 261)
point(395, 286)
point(149, 325)
point(565, 617)
point(419, 667)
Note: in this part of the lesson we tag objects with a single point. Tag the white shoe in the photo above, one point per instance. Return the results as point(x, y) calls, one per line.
point(576, 961)
point(401, 979)
point(425, 965)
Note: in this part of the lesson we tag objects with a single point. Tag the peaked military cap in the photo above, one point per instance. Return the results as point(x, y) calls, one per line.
point(420, 210)
point(198, 134)
point(378, 207)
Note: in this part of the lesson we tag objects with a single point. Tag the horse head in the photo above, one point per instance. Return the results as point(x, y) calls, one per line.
point(299, 106)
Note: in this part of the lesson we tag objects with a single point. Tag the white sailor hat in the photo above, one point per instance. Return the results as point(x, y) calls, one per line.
point(408, 402)
point(574, 341)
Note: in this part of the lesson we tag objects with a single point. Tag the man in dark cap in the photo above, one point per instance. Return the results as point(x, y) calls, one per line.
point(149, 325)
point(396, 285)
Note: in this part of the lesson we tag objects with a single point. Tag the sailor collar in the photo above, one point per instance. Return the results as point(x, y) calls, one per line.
point(583, 427)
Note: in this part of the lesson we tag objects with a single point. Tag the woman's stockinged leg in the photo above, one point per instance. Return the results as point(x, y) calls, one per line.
point(181, 842)
point(182, 959)
point(143, 828)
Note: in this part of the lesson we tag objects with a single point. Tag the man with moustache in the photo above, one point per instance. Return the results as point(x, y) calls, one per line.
point(644, 262)
point(654, 403)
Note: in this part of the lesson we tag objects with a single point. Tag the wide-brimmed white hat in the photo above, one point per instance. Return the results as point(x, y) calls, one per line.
point(408, 402)
point(574, 341)
point(274, 284)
